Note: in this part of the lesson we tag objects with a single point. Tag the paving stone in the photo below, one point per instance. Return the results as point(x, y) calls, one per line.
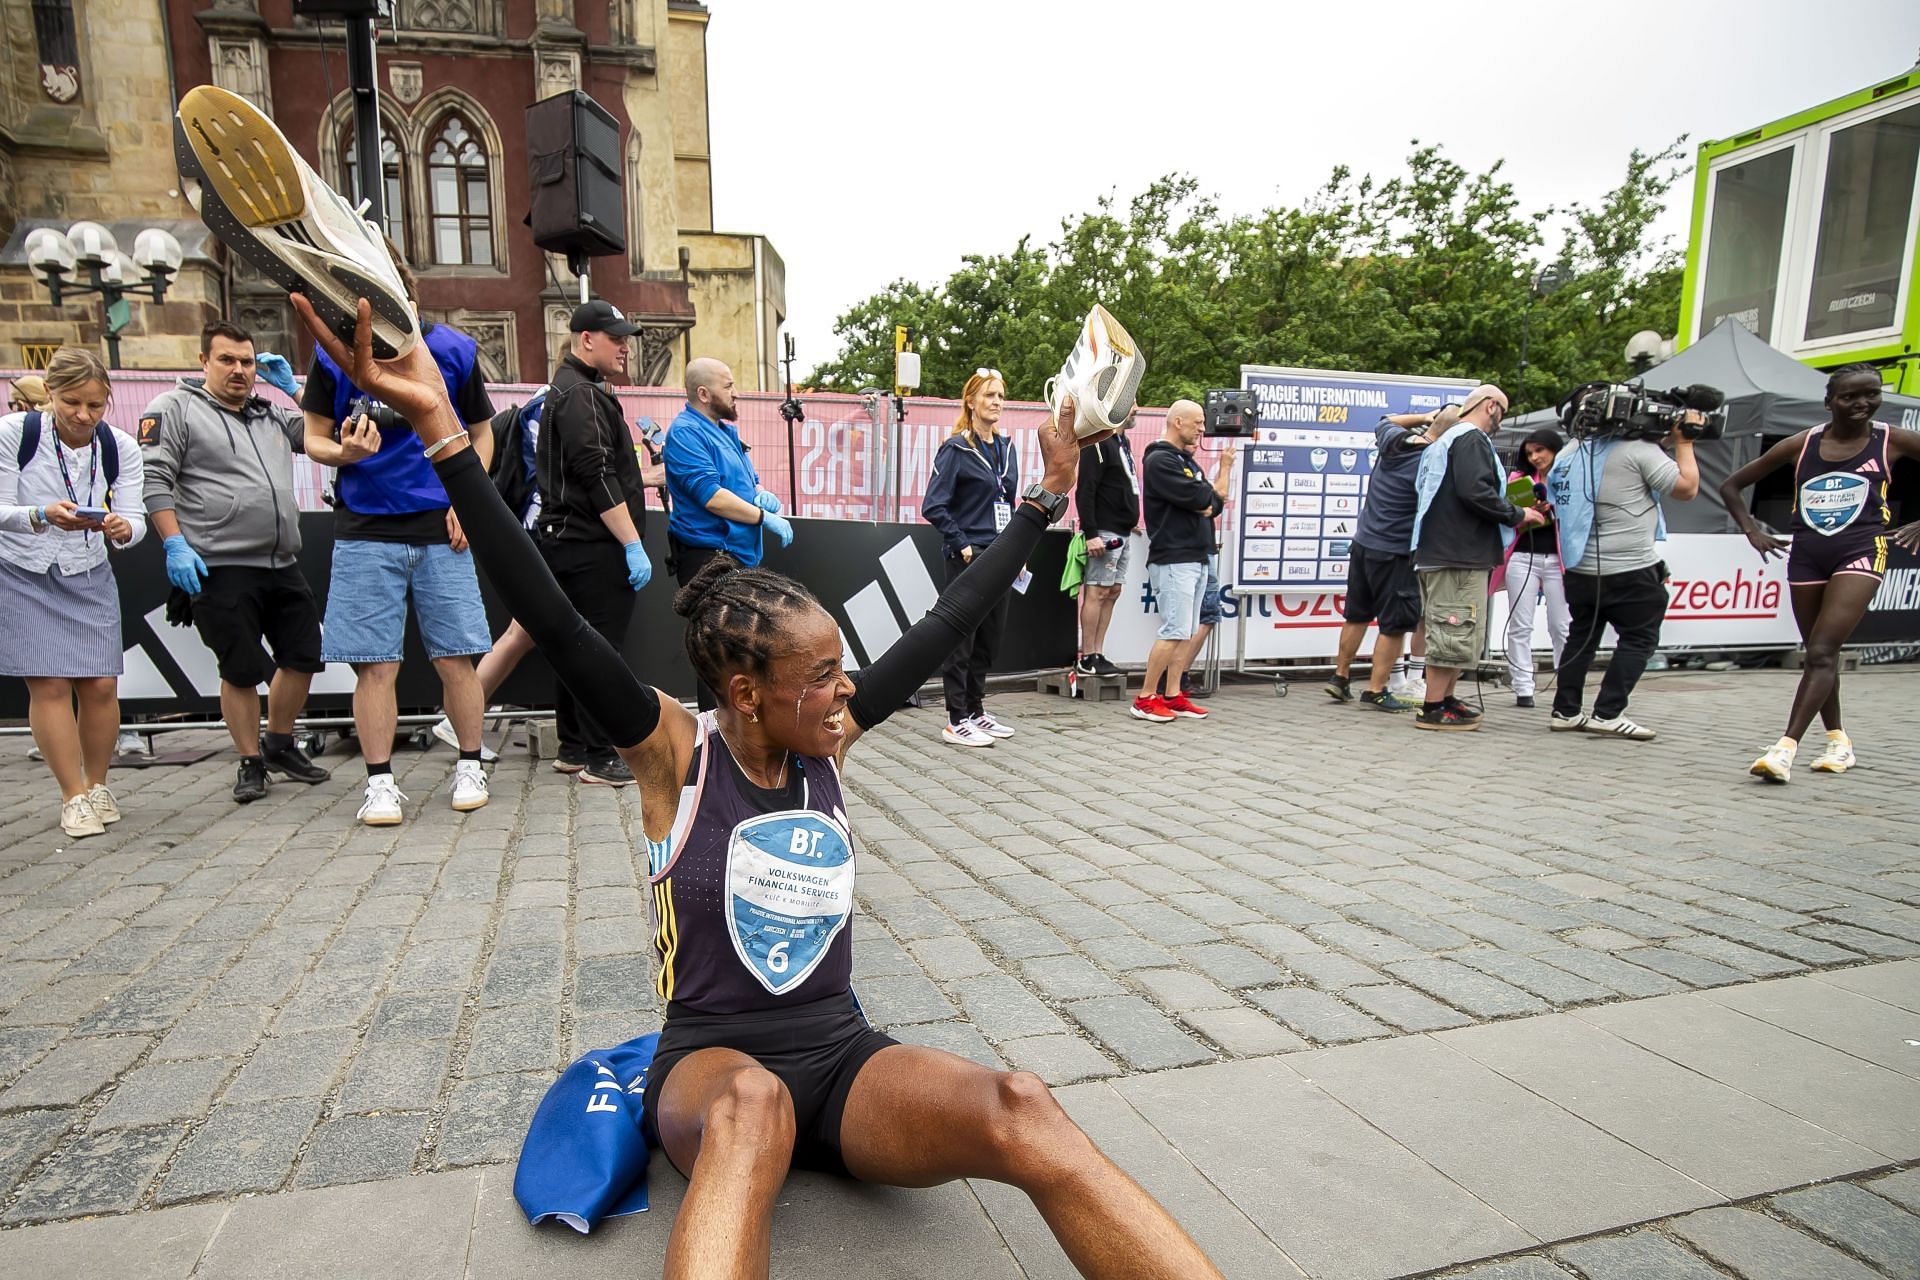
point(326, 1000)
point(241, 1147)
point(1140, 1034)
point(73, 1072)
point(1164, 924)
point(417, 1016)
point(487, 1119)
point(1690, 969)
point(1611, 972)
point(1068, 978)
point(1405, 1008)
point(892, 1002)
point(402, 1075)
point(1233, 966)
point(1318, 1016)
point(521, 973)
point(1124, 953)
point(520, 1037)
point(438, 964)
point(1533, 1268)
point(302, 1065)
point(228, 1031)
point(956, 1038)
point(361, 1149)
point(1058, 1059)
point(1752, 1244)
point(28, 1135)
point(1466, 989)
point(1746, 960)
point(21, 1047)
point(1332, 971)
point(1556, 986)
point(1882, 1233)
point(1002, 1009)
point(1179, 991)
point(1901, 1188)
point(167, 1092)
point(1242, 1033)
point(1642, 1255)
point(947, 958)
point(103, 1172)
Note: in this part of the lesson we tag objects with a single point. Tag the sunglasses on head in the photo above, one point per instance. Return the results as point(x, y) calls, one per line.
point(984, 372)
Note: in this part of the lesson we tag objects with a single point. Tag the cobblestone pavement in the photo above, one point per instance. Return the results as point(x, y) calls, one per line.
point(214, 1000)
point(1859, 1229)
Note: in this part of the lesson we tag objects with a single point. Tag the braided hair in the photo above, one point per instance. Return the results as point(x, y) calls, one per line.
point(735, 618)
point(1847, 371)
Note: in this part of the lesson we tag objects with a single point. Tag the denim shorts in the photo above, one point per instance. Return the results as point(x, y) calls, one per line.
point(367, 602)
point(1179, 589)
point(1210, 597)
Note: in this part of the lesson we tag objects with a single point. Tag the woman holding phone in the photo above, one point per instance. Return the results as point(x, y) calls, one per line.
point(70, 489)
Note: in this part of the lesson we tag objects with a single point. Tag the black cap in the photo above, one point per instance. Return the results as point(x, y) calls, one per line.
point(601, 316)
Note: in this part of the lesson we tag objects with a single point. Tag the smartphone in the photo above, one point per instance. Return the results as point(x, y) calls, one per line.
point(92, 513)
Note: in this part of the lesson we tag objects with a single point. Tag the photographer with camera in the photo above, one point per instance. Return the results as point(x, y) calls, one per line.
point(395, 537)
point(1842, 524)
point(1606, 492)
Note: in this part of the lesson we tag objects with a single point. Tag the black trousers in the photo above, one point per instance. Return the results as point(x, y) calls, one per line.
point(964, 674)
point(1634, 604)
point(688, 561)
point(593, 576)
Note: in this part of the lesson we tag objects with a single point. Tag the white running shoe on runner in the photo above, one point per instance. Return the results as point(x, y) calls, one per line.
point(1618, 727)
point(382, 805)
point(986, 724)
point(1838, 757)
point(443, 730)
point(1777, 764)
point(258, 196)
point(966, 734)
point(469, 786)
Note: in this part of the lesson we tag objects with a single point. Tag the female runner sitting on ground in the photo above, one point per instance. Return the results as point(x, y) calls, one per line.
point(1841, 526)
point(765, 1062)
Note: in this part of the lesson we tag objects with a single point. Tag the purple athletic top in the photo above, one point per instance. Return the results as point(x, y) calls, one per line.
point(753, 889)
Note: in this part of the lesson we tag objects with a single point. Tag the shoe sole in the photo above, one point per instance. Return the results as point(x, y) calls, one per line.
point(562, 766)
point(1392, 711)
point(468, 806)
point(238, 799)
point(1470, 727)
point(1337, 697)
point(294, 777)
point(1138, 714)
point(595, 780)
point(1567, 726)
point(253, 196)
point(1611, 733)
point(956, 742)
point(83, 833)
point(1193, 715)
point(1761, 771)
point(383, 822)
point(1817, 766)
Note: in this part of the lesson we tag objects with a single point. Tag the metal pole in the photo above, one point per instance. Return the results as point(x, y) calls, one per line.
point(362, 80)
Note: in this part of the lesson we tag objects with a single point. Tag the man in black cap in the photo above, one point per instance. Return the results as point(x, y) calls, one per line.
point(593, 510)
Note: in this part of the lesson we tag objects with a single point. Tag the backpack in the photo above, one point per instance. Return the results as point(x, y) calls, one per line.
point(512, 471)
point(102, 442)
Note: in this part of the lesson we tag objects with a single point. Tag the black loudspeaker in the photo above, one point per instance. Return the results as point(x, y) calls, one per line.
point(573, 174)
point(376, 9)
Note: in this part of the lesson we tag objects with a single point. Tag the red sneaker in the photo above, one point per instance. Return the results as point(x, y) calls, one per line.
point(1181, 705)
point(1152, 707)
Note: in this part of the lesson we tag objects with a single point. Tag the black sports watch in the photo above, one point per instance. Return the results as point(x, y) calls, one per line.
point(1052, 505)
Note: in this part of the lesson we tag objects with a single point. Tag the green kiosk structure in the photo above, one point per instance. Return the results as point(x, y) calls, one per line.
point(1804, 231)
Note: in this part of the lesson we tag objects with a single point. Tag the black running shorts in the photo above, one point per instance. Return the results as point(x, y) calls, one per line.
point(239, 606)
point(1382, 588)
point(1817, 558)
point(816, 1049)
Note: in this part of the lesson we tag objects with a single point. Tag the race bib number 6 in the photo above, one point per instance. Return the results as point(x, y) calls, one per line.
point(789, 892)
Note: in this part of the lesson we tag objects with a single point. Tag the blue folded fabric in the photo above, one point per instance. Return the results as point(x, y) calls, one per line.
point(585, 1157)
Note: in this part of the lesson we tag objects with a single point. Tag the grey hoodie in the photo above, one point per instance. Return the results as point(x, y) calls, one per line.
point(227, 475)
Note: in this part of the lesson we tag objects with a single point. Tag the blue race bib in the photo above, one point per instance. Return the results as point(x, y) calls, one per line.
point(1831, 502)
point(789, 892)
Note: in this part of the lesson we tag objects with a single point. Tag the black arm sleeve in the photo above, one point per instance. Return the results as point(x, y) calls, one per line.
point(884, 685)
point(579, 655)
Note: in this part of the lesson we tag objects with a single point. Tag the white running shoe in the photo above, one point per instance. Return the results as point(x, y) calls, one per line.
point(1777, 764)
point(469, 786)
point(105, 807)
point(258, 196)
point(991, 727)
point(966, 734)
point(1410, 689)
point(1102, 374)
point(443, 730)
point(1618, 727)
point(382, 805)
point(78, 819)
point(130, 743)
point(1565, 724)
point(1838, 757)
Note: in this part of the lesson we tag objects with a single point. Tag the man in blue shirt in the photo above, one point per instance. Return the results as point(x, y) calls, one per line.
point(718, 504)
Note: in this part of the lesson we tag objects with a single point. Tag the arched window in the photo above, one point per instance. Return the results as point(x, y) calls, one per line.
point(393, 182)
point(458, 197)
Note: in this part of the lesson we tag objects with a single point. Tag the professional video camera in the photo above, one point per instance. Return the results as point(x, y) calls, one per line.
point(1628, 411)
point(1230, 413)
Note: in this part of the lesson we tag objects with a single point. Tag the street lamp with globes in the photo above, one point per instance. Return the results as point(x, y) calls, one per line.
point(87, 260)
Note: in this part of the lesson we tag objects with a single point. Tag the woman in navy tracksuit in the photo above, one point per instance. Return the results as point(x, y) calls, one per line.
point(970, 498)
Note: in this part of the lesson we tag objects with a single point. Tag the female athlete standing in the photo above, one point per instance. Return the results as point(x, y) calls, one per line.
point(765, 1062)
point(1841, 527)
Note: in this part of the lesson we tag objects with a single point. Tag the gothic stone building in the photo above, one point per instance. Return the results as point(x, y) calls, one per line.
point(455, 77)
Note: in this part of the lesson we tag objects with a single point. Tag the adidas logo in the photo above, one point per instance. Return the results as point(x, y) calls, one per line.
point(1872, 467)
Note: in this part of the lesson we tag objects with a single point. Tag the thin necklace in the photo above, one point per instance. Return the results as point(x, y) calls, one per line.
point(785, 758)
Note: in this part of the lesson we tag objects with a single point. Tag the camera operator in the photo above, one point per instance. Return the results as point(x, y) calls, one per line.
point(1606, 492)
point(395, 537)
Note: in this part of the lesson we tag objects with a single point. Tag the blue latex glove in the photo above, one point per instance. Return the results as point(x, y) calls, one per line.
point(778, 527)
point(185, 569)
point(276, 371)
point(767, 502)
point(639, 568)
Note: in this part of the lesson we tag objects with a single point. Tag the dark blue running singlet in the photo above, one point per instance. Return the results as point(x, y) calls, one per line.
point(753, 889)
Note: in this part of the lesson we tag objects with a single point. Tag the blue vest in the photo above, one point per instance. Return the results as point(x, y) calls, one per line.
point(1433, 471)
point(399, 480)
point(1573, 503)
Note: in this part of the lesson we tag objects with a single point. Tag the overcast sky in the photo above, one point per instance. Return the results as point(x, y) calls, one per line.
point(876, 139)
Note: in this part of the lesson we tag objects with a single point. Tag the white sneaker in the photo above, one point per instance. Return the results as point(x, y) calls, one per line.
point(261, 199)
point(443, 730)
point(382, 805)
point(78, 819)
point(469, 786)
point(991, 727)
point(130, 743)
point(1410, 689)
point(966, 734)
point(1838, 757)
point(1563, 724)
point(105, 807)
point(1777, 764)
point(1618, 727)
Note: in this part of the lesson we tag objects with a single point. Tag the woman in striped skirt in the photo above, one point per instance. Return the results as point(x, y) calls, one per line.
point(70, 490)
